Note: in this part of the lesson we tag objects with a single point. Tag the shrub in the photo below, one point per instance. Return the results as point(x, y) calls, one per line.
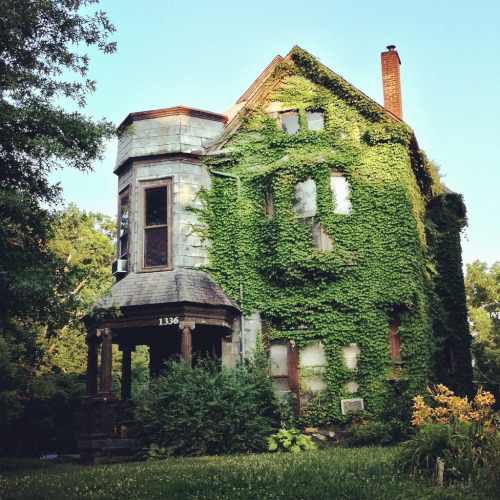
point(208, 409)
point(458, 431)
point(292, 441)
point(369, 433)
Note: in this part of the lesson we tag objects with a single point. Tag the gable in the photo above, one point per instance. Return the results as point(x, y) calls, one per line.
point(299, 81)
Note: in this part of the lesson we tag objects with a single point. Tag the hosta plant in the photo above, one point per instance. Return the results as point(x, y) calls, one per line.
point(290, 440)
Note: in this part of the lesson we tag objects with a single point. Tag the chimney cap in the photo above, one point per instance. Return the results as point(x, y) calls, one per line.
point(391, 47)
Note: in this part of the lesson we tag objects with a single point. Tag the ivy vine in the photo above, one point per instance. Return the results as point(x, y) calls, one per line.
point(307, 294)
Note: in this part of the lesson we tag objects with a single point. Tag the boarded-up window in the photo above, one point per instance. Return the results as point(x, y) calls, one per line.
point(285, 369)
point(269, 203)
point(352, 387)
point(312, 355)
point(351, 353)
point(315, 120)
point(395, 339)
point(340, 189)
point(312, 365)
point(321, 239)
point(304, 202)
point(290, 122)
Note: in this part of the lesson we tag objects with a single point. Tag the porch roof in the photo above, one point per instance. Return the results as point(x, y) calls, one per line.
point(166, 287)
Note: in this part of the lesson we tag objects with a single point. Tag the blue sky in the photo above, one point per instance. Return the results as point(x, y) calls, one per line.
point(205, 53)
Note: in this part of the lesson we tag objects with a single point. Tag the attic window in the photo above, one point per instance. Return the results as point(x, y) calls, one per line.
point(290, 122)
point(340, 189)
point(315, 120)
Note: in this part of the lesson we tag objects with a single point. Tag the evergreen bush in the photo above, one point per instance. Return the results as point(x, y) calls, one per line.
point(208, 409)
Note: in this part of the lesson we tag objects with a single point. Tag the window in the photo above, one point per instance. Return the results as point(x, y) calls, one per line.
point(315, 120)
point(340, 189)
point(395, 340)
point(351, 354)
point(312, 362)
point(269, 203)
point(290, 122)
point(123, 224)
point(304, 204)
point(304, 201)
point(278, 353)
point(156, 225)
point(285, 369)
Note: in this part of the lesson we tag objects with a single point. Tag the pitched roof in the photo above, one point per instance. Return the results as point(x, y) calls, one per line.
point(166, 287)
point(317, 72)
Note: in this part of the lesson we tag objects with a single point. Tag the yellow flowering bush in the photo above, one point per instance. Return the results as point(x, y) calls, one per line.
point(451, 408)
point(458, 431)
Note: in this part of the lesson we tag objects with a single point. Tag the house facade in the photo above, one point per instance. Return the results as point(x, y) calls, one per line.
point(305, 217)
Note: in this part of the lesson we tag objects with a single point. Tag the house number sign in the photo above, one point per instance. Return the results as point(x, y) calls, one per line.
point(171, 320)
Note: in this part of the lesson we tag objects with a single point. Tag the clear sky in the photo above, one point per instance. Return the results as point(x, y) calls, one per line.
point(205, 53)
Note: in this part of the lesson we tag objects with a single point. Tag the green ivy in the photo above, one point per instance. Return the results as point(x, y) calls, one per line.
point(306, 294)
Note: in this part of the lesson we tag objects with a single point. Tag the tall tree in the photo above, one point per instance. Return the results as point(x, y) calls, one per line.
point(84, 242)
point(42, 65)
point(39, 40)
point(482, 285)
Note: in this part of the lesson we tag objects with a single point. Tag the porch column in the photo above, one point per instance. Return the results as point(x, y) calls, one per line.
point(106, 361)
point(186, 341)
point(126, 372)
point(91, 386)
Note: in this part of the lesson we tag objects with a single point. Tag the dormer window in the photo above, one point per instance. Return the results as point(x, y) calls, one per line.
point(123, 223)
point(156, 224)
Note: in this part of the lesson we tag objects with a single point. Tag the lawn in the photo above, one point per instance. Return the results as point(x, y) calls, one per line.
point(362, 473)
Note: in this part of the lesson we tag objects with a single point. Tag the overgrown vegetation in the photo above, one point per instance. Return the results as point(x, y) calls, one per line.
point(482, 284)
point(353, 474)
point(457, 431)
point(42, 377)
point(384, 258)
point(208, 409)
point(46, 278)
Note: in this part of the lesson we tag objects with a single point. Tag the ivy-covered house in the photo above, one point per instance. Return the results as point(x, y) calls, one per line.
point(306, 216)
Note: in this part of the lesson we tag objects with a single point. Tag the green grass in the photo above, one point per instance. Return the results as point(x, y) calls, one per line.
point(357, 474)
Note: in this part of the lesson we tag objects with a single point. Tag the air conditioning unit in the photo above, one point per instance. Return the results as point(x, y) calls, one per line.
point(119, 266)
point(348, 405)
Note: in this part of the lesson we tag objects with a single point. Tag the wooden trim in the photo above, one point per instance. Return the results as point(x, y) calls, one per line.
point(294, 374)
point(143, 185)
point(148, 316)
point(176, 110)
point(176, 156)
point(260, 79)
point(126, 190)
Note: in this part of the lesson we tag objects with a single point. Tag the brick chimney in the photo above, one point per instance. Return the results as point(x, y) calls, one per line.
point(391, 81)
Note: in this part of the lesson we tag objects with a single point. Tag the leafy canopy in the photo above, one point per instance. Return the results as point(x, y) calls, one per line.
point(482, 286)
point(43, 85)
point(39, 52)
